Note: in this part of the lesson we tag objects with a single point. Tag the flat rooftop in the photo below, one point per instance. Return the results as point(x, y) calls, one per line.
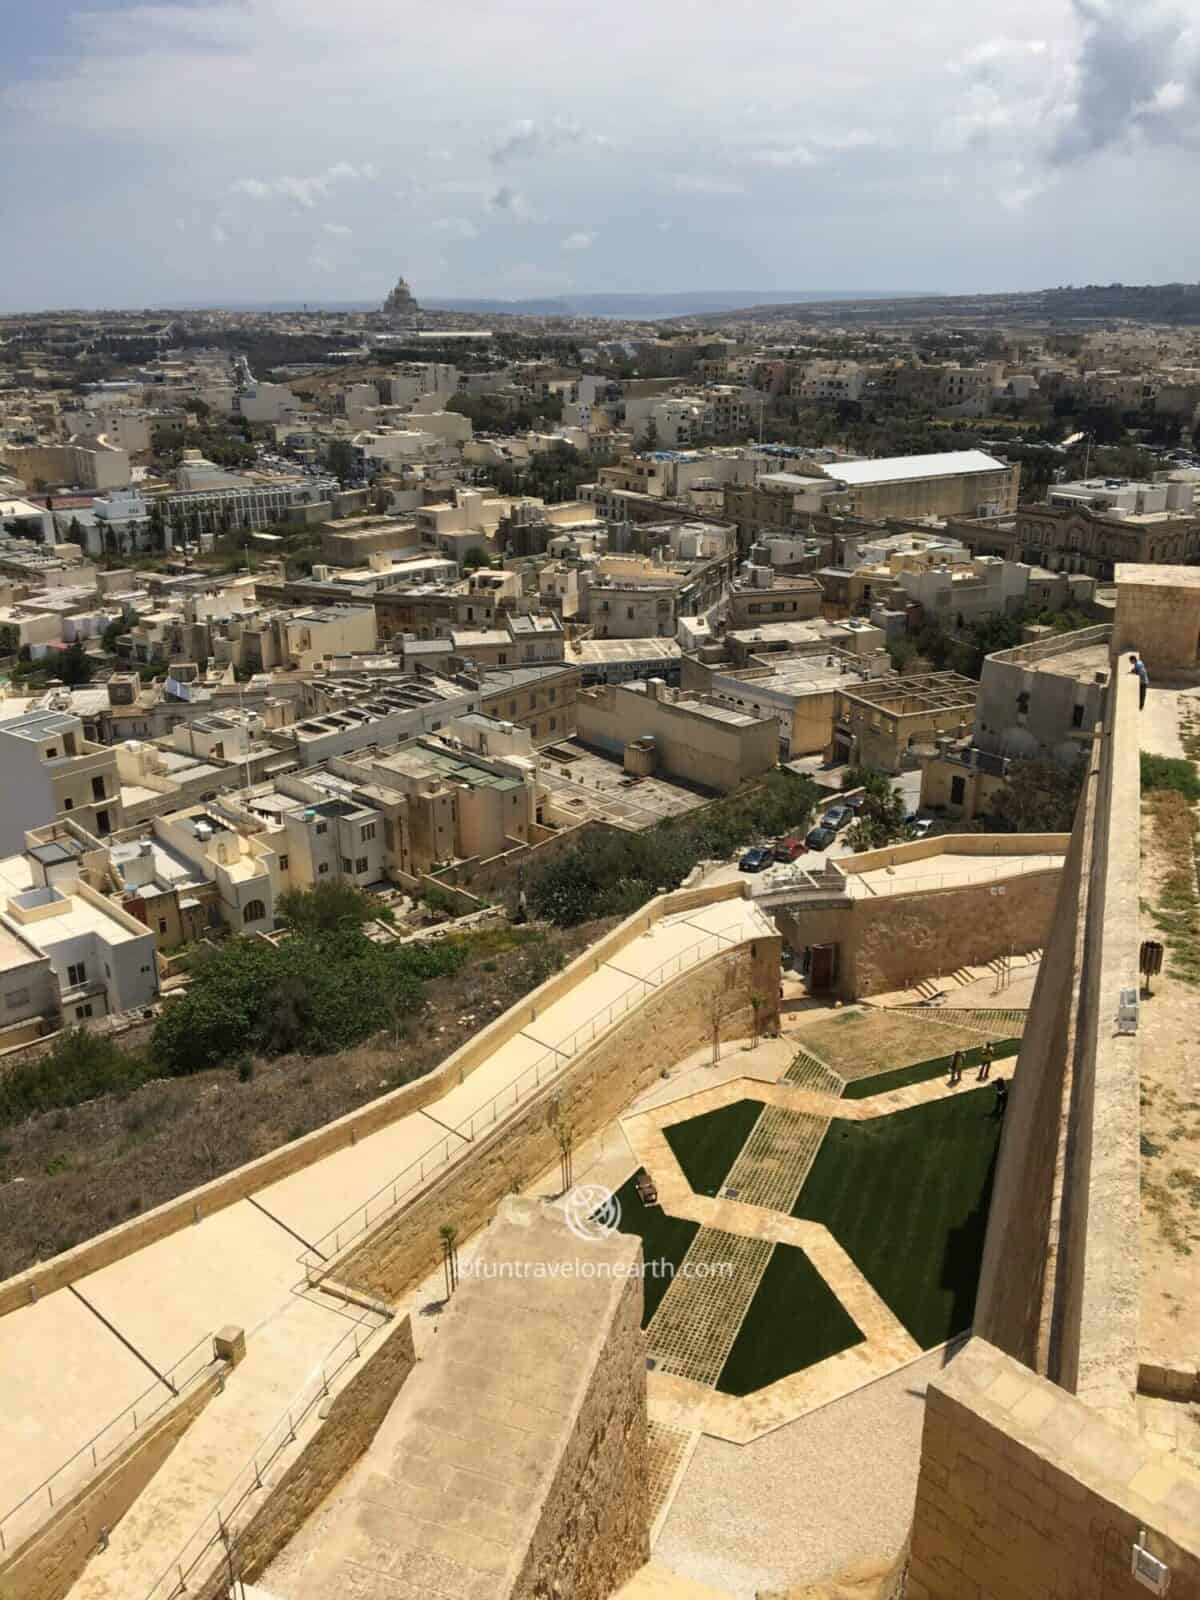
point(905, 469)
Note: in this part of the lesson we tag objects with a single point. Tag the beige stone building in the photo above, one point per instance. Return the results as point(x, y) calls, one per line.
point(653, 729)
point(891, 722)
point(50, 770)
point(1158, 615)
point(540, 699)
point(761, 596)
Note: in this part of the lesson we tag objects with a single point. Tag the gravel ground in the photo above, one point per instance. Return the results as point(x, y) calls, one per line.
point(812, 1498)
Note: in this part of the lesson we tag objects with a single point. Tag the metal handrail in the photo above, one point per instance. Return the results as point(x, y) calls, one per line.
point(214, 1527)
point(358, 1221)
point(92, 1450)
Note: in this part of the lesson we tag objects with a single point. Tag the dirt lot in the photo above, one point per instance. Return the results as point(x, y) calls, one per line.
point(858, 1042)
point(67, 1175)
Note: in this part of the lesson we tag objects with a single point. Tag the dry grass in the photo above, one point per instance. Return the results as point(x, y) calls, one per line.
point(858, 1042)
point(1176, 910)
point(68, 1175)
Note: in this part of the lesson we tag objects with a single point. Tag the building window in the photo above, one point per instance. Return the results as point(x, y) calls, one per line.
point(283, 863)
point(368, 832)
point(322, 869)
point(98, 789)
point(361, 864)
point(255, 911)
point(1077, 716)
point(82, 1011)
point(322, 827)
point(68, 804)
point(76, 974)
point(18, 997)
point(346, 864)
point(162, 924)
point(553, 724)
point(51, 752)
point(958, 790)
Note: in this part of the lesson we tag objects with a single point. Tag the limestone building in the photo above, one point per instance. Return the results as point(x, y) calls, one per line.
point(653, 729)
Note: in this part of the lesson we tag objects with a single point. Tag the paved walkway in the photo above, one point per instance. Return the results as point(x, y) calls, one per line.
point(64, 1375)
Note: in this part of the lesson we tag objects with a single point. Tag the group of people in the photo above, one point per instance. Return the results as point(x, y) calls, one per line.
point(959, 1060)
point(987, 1055)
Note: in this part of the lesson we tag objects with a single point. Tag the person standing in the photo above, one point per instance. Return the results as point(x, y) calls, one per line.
point(985, 1062)
point(956, 1068)
point(1139, 666)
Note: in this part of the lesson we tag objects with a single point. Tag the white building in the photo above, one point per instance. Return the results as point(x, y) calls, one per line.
point(102, 959)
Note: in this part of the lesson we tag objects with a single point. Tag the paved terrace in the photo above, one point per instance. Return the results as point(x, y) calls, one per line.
point(948, 861)
point(73, 1362)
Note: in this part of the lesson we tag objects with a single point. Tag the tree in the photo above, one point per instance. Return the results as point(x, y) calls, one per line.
point(449, 1238)
point(325, 907)
point(881, 820)
point(74, 666)
point(475, 557)
point(1039, 796)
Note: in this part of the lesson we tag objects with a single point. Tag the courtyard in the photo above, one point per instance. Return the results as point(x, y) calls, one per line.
point(820, 1223)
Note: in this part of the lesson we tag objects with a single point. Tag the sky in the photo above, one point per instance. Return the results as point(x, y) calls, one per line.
point(218, 151)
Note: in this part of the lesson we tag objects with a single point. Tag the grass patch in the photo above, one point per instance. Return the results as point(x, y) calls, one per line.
point(1177, 914)
point(922, 1071)
point(707, 1146)
point(794, 1321)
point(907, 1197)
point(665, 1242)
point(1170, 772)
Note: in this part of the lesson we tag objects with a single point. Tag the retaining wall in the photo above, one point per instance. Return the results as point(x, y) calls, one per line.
point(348, 1424)
point(119, 1242)
point(47, 1564)
point(591, 1092)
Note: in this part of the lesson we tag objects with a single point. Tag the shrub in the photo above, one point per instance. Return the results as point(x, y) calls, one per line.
point(1169, 772)
point(316, 992)
point(81, 1066)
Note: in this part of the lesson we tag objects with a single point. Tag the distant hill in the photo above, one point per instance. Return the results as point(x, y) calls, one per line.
point(1089, 303)
point(631, 307)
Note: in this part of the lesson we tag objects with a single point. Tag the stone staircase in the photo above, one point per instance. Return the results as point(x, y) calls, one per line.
point(809, 1072)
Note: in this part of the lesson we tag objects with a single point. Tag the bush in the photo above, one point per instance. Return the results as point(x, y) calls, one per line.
point(326, 907)
point(81, 1066)
point(317, 992)
point(1169, 772)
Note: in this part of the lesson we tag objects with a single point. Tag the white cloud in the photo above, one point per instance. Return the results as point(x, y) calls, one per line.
point(219, 234)
point(704, 183)
point(579, 241)
point(795, 155)
point(523, 140)
point(305, 191)
point(453, 227)
point(337, 230)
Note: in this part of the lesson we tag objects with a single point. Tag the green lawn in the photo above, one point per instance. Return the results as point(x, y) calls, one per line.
point(707, 1146)
point(794, 1321)
point(907, 1196)
point(921, 1071)
point(665, 1242)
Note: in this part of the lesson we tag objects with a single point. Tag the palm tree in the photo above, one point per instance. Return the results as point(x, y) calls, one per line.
point(448, 1235)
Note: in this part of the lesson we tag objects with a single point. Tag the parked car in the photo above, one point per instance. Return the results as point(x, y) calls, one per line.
point(820, 838)
point(837, 818)
point(789, 849)
point(856, 802)
point(756, 860)
point(919, 826)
